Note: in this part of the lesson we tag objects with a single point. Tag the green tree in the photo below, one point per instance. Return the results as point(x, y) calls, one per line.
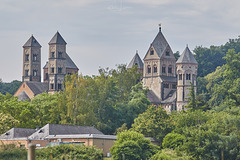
point(173, 140)
point(154, 122)
point(169, 154)
point(7, 122)
point(133, 146)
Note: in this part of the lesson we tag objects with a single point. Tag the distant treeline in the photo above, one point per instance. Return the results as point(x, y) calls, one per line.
point(9, 87)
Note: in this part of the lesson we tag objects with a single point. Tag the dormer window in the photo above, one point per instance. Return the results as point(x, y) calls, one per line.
point(167, 53)
point(152, 52)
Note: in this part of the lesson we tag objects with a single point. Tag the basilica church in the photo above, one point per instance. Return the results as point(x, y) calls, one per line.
point(168, 80)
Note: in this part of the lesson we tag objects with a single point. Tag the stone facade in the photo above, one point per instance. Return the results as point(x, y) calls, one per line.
point(31, 61)
point(161, 74)
point(59, 64)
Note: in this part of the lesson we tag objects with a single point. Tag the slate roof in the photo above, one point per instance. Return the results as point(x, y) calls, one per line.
point(93, 136)
point(17, 133)
point(60, 129)
point(23, 96)
point(69, 63)
point(171, 97)
point(168, 79)
point(152, 97)
point(160, 43)
point(32, 42)
point(136, 61)
point(186, 57)
point(57, 39)
point(37, 87)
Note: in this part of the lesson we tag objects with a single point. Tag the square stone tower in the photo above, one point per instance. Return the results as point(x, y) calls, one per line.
point(31, 60)
point(56, 63)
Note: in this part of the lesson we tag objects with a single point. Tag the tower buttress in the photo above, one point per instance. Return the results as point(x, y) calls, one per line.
point(56, 63)
point(31, 60)
point(186, 74)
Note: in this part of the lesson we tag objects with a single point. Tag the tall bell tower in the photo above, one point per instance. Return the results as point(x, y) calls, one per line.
point(31, 60)
point(56, 63)
point(186, 74)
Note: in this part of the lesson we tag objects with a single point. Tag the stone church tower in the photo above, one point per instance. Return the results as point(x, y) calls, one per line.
point(159, 73)
point(31, 61)
point(186, 74)
point(56, 63)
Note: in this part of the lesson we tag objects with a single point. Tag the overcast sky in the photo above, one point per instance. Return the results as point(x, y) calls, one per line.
point(103, 33)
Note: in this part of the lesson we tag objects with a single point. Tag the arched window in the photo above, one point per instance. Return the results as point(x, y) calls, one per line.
point(188, 76)
point(35, 57)
point(163, 69)
point(148, 69)
point(34, 72)
point(180, 77)
point(152, 52)
point(155, 68)
point(169, 69)
point(136, 64)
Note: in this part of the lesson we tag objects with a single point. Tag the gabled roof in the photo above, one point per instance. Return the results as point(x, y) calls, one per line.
point(60, 129)
point(168, 79)
point(160, 44)
point(69, 63)
point(186, 57)
point(32, 42)
point(153, 97)
point(17, 133)
point(136, 61)
point(57, 39)
point(37, 87)
point(171, 97)
point(23, 96)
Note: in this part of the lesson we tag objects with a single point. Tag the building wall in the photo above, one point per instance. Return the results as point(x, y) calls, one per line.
point(31, 64)
point(24, 143)
point(25, 88)
point(184, 84)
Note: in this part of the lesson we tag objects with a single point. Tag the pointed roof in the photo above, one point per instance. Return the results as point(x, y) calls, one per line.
point(57, 39)
point(32, 42)
point(136, 61)
point(61, 129)
point(69, 63)
point(186, 57)
point(160, 44)
point(37, 87)
point(23, 96)
point(16, 133)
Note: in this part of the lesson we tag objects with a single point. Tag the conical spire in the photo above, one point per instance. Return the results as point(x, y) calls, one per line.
point(160, 43)
point(32, 42)
point(57, 39)
point(136, 61)
point(186, 57)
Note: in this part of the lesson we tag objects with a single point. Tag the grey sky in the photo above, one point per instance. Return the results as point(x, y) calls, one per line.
point(108, 32)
